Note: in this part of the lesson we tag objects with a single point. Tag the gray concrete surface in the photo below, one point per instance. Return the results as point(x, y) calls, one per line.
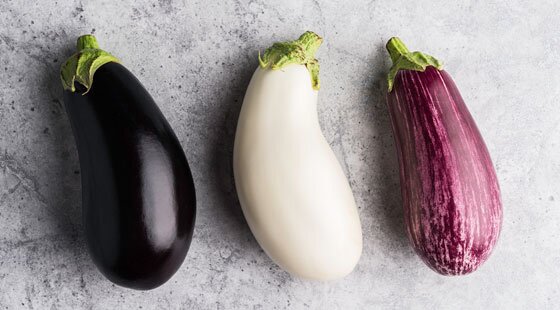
point(196, 58)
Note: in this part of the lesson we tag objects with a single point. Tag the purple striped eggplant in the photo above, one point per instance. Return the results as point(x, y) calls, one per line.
point(451, 197)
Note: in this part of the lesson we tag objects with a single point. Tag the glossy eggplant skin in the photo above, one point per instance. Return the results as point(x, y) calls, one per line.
point(450, 191)
point(138, 194)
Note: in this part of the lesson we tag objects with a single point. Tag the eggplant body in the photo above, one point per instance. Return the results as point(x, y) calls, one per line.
point(293, 192)
point(138, 195)
point(451, 197)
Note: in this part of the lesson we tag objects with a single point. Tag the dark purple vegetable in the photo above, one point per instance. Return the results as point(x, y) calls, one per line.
point(451, 197)
point(138, 194)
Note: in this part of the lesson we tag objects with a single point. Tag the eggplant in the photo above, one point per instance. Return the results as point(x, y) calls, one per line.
point(292, 189)
point(138, 196)
point(450, 192)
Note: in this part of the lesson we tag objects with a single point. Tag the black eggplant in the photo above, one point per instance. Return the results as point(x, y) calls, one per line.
point(138, 194)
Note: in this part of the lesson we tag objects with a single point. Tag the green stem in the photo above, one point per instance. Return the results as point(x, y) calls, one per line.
point(301, 51)
point(81, 66)
point(87, 41)
point(403, 59)
point(396, 48)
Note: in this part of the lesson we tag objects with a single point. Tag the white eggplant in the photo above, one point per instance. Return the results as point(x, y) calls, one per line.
point(293, 192)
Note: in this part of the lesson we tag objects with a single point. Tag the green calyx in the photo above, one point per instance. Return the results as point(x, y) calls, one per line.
point(301, 51)
point(81, 66)
point(403, 59)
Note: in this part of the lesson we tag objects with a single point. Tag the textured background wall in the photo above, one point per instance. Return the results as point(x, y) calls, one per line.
point(196, 59)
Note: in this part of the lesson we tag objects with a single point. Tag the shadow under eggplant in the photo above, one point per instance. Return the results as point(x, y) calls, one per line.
point(226, 115)
point(385, 180)
point(64, 198)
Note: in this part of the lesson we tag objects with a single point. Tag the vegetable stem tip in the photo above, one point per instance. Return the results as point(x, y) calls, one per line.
point(81, 66)
point(87, 41)
point(301, 51)
point(403, 59)
point(396, 48)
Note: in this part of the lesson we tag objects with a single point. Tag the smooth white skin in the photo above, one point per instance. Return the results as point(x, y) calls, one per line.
point(293, 192)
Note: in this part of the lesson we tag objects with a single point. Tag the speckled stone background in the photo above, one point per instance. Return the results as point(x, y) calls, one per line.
point(196, 59)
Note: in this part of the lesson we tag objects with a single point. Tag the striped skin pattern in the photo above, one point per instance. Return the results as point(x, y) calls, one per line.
point(451, 197)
